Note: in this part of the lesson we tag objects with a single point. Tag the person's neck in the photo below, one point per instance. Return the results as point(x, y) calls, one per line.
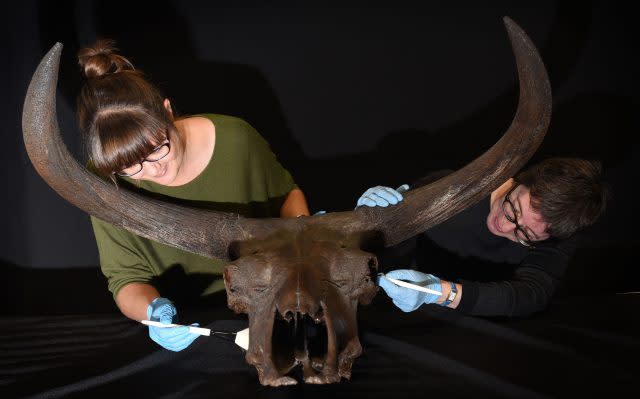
point(196, 152)
point(185, 157)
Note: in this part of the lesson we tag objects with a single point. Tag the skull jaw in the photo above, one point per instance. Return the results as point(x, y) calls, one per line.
point(327, 368)
point(313, 372)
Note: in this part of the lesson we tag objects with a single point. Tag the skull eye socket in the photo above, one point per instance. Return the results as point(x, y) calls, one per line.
point(260, 289)
point(338, 283)
point(341, 283)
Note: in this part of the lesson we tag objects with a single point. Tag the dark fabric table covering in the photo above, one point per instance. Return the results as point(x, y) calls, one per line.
point(586, 346)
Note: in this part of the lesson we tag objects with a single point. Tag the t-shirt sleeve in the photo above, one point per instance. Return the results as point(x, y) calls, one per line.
point(530, 289)
point(119, 263)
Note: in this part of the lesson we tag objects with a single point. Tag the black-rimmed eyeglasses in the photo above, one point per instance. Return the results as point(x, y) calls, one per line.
point(157, 154)
point(511, 214)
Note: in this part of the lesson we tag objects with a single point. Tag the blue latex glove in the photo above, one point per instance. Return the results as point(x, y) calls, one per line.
point(173, 338)
point(381, 196)
point(407, 299)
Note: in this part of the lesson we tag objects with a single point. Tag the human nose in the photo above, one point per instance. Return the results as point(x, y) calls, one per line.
point(506, 225)
point(151, 168)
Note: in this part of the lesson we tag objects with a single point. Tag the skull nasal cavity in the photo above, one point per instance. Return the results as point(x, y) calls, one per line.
point(373, 264)
point(289, 315)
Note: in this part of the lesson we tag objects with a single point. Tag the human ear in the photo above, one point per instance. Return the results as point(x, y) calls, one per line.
point(167, 106)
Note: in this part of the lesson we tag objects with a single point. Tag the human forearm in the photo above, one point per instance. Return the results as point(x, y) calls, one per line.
point(294, 205)
point(134, 298)
point(446, 290)
point(527, 293)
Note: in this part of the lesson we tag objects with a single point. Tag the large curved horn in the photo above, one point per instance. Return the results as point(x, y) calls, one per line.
point(429, 205)
point(200, 231)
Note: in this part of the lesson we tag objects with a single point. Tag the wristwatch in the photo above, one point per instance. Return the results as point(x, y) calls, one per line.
point(452, 295)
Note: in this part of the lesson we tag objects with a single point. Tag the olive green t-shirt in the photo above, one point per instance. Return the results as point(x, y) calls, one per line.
point(243, 176)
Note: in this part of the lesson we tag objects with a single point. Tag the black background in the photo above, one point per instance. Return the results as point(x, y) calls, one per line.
point(349, 96)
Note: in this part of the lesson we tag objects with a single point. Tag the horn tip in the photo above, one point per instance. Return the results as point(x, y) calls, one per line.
point(511, 25)
point(55, 49)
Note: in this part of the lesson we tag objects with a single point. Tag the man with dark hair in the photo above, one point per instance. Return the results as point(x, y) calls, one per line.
point(529, 222)
point(568, 193)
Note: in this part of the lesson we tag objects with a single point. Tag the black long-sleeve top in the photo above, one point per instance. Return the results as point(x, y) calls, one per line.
point(536, 272)
point(528, 277)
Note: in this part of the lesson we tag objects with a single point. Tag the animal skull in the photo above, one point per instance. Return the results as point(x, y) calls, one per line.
point(306, 275)
point(301, 291)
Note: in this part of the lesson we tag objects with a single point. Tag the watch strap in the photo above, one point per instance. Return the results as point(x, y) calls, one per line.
point(452, 295)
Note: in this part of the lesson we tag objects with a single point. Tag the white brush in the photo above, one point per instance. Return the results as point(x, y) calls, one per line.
point(241, 338)
point(413, 286)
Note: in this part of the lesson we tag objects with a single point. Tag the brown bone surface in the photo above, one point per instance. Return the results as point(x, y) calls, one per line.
point(299, 280)
point(301, 291)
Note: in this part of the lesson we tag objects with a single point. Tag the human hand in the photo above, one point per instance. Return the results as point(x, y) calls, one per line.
point(381, 196)
point(172, 338)
point(408, 299)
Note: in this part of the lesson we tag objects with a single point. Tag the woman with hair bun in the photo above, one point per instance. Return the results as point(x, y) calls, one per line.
point(220, 162)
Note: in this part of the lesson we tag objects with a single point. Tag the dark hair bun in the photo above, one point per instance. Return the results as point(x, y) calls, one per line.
point(100, 60)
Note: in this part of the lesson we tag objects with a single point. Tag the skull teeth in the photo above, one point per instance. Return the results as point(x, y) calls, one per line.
point(290, 316)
